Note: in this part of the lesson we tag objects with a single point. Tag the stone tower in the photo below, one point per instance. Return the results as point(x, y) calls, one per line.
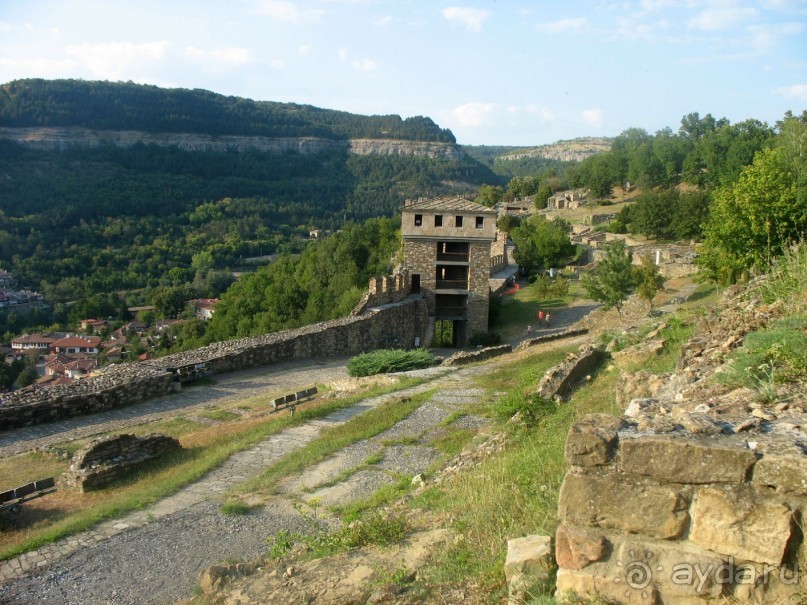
point(447, 246)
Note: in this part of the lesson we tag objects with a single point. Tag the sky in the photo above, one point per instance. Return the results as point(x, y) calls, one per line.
point(496, 72)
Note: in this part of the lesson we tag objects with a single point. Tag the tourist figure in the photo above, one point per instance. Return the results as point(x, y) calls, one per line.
point(540, 317)
point(292, 409)
point(529, 331)
point(546, 319)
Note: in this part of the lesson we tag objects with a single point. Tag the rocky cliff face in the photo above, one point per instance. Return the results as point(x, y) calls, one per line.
point(575, 150)
point(66, 137)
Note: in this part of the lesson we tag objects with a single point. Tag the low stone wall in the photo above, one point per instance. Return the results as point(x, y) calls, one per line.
point(117, 386)
point(463, 357)
point(531, 342)
point(107, 459)
point(680, 517)
point(393, 325)
point(561, 379)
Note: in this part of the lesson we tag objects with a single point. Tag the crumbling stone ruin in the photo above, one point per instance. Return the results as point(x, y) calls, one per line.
point(698, 492)
point(109, 458)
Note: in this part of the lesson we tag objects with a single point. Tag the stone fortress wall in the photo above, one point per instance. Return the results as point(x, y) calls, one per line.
point(394, 323)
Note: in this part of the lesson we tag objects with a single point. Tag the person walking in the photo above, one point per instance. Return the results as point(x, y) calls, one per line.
point(529, 331)
point(540, 317)
point(546, 319)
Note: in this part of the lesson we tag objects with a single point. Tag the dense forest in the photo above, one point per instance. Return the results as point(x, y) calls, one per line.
point(82, 222)
point(129, 106)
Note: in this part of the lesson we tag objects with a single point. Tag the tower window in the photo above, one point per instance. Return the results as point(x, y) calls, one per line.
point(480, 221)
point(458, 221)
point(438, 220)
point(418, 220)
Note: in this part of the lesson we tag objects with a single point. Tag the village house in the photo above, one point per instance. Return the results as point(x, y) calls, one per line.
point(77, 345)
point(93, 326)
point(203, 308)
point(40, 342)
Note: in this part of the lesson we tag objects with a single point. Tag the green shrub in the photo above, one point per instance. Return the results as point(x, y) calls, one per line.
point(385, 361)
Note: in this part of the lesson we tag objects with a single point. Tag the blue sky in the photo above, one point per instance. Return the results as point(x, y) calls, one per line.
point(496, 72)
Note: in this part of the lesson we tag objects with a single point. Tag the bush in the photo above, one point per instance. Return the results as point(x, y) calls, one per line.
point(385, 361)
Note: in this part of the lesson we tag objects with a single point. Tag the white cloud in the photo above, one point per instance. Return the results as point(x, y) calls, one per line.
point(304, 49)
point(343, 54)
point(539, 111)
point(474, 114)
point(797, 92)
point(563, 25)
point(721, 17)
point(110, 61)
point(657, 5)
point(471, 18)
point(43, 68)
point(277, 64)
point(365, 65)
point(385, 20)
point(228, 56)
point(765, 37)
point(288, 12)
point(593, 117)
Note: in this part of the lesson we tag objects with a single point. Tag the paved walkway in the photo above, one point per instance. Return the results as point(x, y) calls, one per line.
point(237, 469)
point(274, 380)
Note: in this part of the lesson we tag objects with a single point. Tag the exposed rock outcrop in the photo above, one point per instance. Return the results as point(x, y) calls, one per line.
point(74, 136)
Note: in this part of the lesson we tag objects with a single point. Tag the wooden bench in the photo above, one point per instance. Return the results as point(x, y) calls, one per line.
point(12, 500)
point(289, 400)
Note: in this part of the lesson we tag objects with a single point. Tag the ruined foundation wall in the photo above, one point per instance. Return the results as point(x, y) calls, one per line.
point(679, 517)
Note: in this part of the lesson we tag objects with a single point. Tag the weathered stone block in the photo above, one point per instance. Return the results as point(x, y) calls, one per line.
point(575, 548)
point(592, 441)
point(609, 501)
point(679, 571)
point(739, 523)
point(783, 466)
point(685, 459)
point(529, 567)
point(600, 582)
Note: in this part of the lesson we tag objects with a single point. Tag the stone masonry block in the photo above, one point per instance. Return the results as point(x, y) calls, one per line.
point(575, 548)
point(601, 583)
point(783, 466)
point(685, 459)
point(679, 571)
point(529, 567)
point(740, 523)
point(592, 441)
point(609, 501)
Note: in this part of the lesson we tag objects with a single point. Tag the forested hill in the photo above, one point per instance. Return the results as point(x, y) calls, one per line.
point(128, 106)
point(81, 220)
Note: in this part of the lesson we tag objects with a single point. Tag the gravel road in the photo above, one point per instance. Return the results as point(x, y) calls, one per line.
point(151, 565)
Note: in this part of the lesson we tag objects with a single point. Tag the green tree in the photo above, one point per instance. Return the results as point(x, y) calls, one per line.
point(653, 213)
point(489, 195)
point(541, 243)
point(649, 280)
point(753, 220)
point(613, 278)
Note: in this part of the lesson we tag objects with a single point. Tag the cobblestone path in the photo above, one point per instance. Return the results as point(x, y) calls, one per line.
point(98, 566)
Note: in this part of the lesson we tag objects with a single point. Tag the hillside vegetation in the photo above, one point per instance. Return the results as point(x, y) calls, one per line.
point(78, 223)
